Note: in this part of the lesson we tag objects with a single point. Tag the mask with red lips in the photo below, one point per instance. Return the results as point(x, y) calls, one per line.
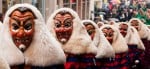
point(123, 29)
point(63, 26)
point(108, 33)
point(21, 26)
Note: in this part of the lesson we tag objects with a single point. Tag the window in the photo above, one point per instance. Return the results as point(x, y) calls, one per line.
point(66, 3)
point(85, 9)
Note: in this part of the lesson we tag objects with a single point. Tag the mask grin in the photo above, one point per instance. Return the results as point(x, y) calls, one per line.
point(63, 27)
point(22, 41)
point(63, 36)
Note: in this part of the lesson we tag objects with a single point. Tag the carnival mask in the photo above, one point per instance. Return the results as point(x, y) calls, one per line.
point(135, 24)
point(123, 29)
point(63, 27)
point(108, 33)
point(91, 30)
point(22, 28)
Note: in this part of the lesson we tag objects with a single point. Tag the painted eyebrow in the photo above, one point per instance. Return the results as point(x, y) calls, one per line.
point(68, 19)
point(17, 20)
point(27, 20)
point(57, 19)
point(64, 20)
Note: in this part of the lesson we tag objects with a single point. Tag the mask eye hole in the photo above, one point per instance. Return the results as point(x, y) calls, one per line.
point(105, 34)
point(90, 32)
point(15, 26)
point(68, 23)
point(57, 24)
point(28, 26)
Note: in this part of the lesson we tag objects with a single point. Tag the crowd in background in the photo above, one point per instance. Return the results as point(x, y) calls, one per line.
point(124, 11)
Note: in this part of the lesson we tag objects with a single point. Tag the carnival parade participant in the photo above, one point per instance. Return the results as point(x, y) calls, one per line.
point(143, 32)
point(119, 45)
point(105, 50)
point(135, 45)
point(66, 27)
point(26, 42)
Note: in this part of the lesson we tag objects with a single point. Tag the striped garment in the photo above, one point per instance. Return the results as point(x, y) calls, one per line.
point(83, 61)
point(100, 63)
point(146, 57)
point(133, 55)
point(104, 63)
point(119, 62)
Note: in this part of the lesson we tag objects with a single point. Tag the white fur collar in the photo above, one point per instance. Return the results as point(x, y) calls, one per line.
point(0, 25)
point(119, 44)
point(44, 49)
point(79, 41)
point(4, 64)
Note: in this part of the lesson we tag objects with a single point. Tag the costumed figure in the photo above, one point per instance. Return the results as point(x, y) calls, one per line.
point(135, 45)
point(67, 28)
point(105, 50)
point(26, 42)
point(143, 32)
point(119, 45)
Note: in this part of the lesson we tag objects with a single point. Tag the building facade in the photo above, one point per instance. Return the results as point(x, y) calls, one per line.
point(1, 6)
point(85, 8)
point(80, 6)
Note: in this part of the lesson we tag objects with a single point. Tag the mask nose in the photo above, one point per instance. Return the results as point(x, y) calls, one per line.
point(21, 33)
point(121, 30)
point(109, 39)
point(62, 29)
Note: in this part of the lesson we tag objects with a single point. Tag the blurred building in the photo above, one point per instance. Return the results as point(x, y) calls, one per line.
point(85, 8)
point(80, 6)
point(0, 6)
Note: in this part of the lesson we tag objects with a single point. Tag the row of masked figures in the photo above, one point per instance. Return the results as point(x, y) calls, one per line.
point(136, 35)
point(67, 42)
